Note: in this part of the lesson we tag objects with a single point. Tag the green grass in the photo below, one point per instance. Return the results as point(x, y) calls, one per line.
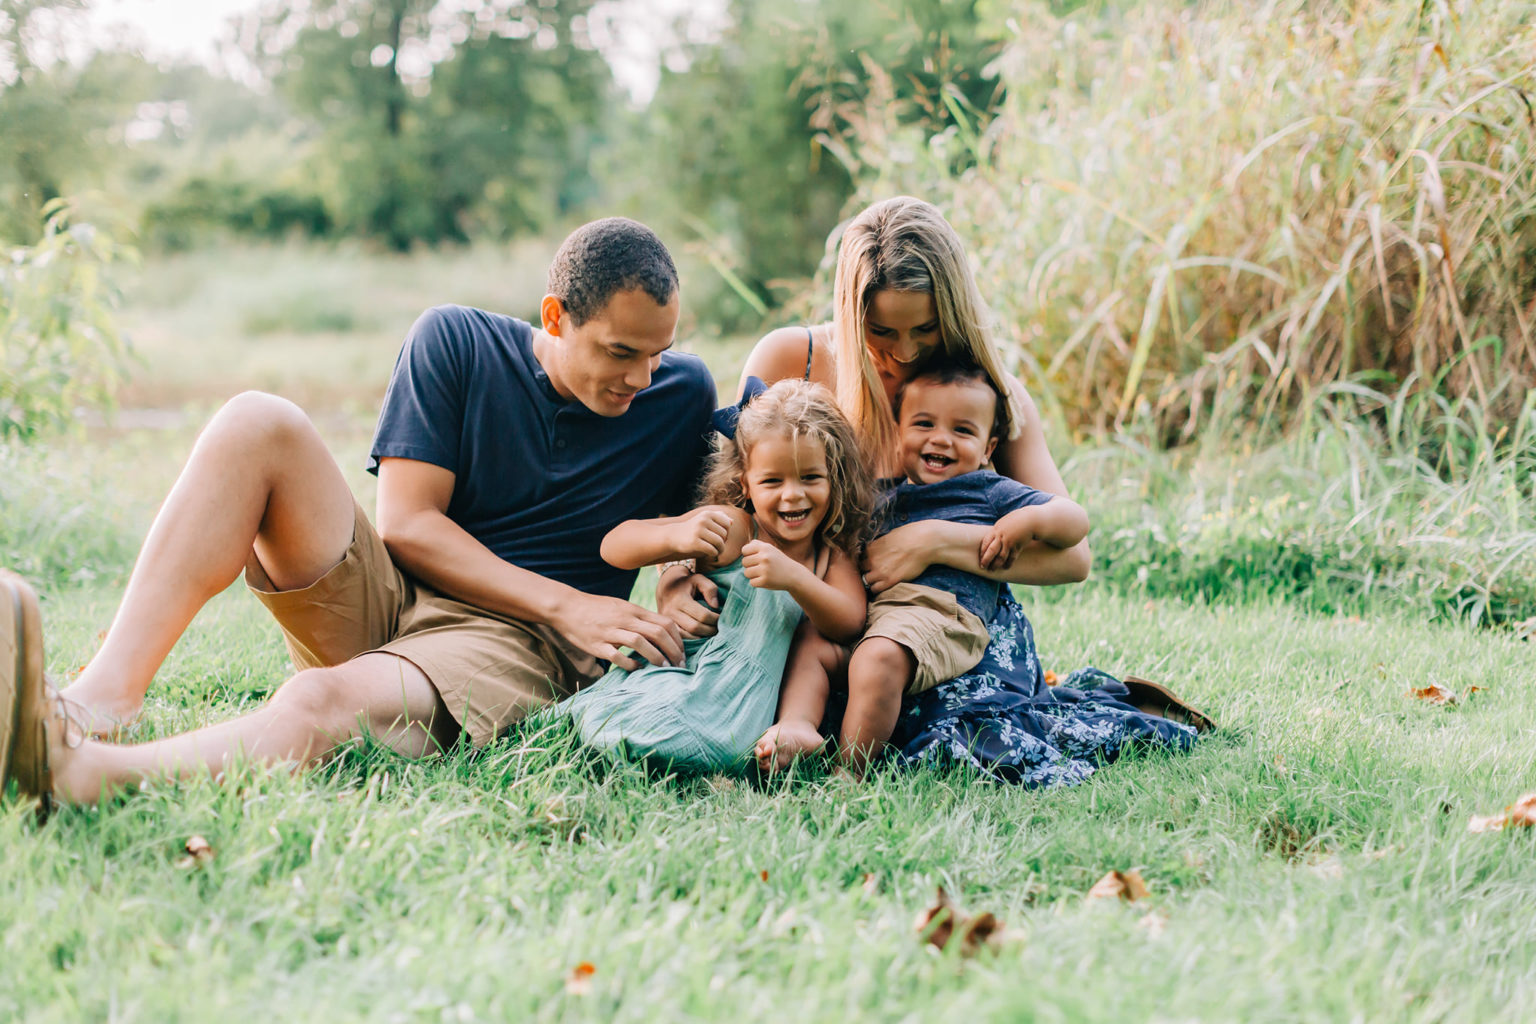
point(1311, 861)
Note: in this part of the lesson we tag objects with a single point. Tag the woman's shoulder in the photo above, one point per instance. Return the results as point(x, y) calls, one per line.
point(788, 352)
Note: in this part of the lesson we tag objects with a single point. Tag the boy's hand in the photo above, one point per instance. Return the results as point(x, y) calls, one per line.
point(769, 568)
point(700, 534)
point(1001, 544)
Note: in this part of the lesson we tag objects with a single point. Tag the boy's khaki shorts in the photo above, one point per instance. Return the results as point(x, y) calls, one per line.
point(490, 671)
point(946, 640)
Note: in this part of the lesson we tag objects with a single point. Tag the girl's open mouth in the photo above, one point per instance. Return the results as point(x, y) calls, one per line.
point(797, 516)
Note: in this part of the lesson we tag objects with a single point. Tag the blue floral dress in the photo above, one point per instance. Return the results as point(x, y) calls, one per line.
point(1002, 719)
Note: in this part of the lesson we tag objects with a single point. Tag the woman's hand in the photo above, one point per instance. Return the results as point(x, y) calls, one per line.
point(899, 556)
point(771, 569)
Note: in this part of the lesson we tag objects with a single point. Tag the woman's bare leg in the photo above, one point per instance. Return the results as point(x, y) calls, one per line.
point(304, 724)
point(259, 479)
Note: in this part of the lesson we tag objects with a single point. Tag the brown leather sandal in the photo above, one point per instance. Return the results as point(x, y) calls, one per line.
point(1156, 699)
point(24, 698)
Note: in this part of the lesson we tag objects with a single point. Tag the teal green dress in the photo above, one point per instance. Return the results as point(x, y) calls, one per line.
point(706, 714)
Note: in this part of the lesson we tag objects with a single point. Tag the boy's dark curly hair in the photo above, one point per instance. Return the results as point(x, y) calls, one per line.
point(608, 256)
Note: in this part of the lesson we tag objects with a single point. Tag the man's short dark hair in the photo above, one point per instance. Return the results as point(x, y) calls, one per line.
point(948, 369)
point(607, 256)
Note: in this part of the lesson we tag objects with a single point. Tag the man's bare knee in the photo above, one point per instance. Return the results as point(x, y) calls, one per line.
point(265, 423)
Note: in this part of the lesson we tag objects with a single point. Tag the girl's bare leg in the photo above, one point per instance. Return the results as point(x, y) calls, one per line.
point(260, 481)
point(306, 721)
point(878, 674)
point(813, 661)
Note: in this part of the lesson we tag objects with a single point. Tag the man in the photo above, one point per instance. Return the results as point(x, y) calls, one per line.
point(504, 454)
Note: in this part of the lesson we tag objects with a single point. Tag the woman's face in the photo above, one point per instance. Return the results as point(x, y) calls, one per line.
point(901, 330)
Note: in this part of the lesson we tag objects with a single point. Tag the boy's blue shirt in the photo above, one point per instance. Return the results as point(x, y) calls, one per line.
point(540, 479)
point(980, 498)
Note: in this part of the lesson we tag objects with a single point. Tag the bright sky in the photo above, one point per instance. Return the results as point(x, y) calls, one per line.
point(630, 33)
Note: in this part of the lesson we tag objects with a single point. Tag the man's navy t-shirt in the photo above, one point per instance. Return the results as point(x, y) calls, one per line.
point(540, 479)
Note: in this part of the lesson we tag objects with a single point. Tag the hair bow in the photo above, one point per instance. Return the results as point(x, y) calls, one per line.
point(724, 420)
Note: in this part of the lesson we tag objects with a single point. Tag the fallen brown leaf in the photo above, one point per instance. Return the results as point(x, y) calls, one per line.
point(1050, 678)
point(944, 923)
point(199, 852)
point(871, 883)
point(1520, 814)
point(1434, 693)
point(763, 874)
point(1127, 885)
point(579, 981)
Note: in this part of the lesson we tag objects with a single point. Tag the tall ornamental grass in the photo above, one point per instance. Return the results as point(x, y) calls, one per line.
point(1217, 211)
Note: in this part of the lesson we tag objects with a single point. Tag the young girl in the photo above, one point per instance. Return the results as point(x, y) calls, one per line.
point(785, 507)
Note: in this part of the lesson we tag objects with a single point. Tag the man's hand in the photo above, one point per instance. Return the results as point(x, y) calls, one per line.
point(701, 534)
point(769, 568)
point(602, 625)
point(899, 556)
point(691, 601)
point(1002, 543)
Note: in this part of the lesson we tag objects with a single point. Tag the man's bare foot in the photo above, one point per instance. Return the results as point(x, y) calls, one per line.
point(784, 742)
point(103, 716)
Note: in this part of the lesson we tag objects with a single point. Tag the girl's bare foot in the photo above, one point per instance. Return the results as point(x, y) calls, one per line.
point(784, 742)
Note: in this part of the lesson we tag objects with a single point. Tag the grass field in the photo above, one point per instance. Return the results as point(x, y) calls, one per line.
point(1310, 861)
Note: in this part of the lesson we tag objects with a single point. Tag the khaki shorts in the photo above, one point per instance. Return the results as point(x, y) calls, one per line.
point(945, 639)
point(490, 671)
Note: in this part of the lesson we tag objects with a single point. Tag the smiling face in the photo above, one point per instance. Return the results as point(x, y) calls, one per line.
point(609, 359)
point(945, 429)
point(901, 330)
point(787, 483)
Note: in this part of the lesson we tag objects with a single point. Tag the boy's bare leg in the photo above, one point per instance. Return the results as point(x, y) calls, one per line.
point(813, 661)
point(878, 674)
point(259, 479)
point(306, 721)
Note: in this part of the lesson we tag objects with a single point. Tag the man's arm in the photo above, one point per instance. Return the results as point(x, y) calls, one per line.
point(414, 524)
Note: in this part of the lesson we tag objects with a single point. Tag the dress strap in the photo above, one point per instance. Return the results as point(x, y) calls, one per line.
point(810, 350)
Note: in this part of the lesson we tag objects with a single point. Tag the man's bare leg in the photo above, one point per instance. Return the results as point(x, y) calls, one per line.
point(878, 674)
point(813, 661)
point(307, 720)
point(259, 478)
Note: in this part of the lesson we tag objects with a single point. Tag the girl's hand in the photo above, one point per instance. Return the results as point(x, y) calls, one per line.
point(899, 556)
point(769, 568)
point(700, 534)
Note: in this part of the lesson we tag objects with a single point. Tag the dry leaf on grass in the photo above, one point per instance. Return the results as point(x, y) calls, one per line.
point(1127, 885)
point(1050, 678)
point(763, 874)
point(1154, 923)
point(871, 883)
point(1520, 814)
point(943, 924)
point(1434, 693)
point(579, 981)
point(199, 852)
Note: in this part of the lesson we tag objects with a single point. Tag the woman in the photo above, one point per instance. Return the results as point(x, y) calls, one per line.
point(904, 291)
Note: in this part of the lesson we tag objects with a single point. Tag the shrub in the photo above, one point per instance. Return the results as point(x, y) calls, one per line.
point(59, 347)
point(1221, 209)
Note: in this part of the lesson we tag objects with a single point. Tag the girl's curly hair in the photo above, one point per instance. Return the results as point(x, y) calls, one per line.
point(796, 409)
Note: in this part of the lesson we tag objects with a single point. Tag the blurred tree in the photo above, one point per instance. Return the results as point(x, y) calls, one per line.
point(54, 115)
point(439, 119)
point(738, 148)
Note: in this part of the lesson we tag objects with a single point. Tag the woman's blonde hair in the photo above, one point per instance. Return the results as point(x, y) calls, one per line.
point(796, 409)
point(904, 244)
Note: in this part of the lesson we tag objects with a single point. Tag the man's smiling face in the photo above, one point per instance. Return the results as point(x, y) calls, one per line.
point(946, 429)
point(608, 360)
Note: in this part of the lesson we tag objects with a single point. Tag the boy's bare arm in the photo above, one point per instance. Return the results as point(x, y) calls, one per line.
point(1060, 523)
point(711, 534)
